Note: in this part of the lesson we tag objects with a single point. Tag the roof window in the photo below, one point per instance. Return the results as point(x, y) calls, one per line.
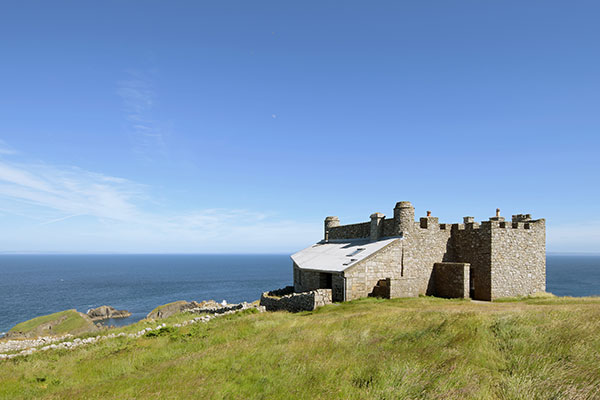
point(355, 252)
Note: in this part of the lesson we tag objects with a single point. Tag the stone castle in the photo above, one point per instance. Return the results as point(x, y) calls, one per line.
point(401, 257)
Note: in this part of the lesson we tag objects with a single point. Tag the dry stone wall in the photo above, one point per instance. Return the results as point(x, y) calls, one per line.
point(287, 300)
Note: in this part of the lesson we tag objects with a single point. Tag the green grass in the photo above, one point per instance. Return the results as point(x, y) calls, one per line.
point(422, 348)
point(70, 321)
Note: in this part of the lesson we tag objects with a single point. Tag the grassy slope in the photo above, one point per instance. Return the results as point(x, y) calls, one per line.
point(72, 322)
point(161, 307)
point(407, 348)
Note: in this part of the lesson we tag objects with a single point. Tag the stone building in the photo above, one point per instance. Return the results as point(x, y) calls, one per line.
point(401, 257)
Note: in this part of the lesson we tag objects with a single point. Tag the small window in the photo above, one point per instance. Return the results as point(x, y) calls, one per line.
point(355, 252)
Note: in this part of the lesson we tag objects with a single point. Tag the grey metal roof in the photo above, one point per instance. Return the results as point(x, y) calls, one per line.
point(336, 256)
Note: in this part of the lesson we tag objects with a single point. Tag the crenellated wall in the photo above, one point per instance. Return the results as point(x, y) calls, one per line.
point(423, 248)
point(471, 243)
point(518, 258)
point(505, 259)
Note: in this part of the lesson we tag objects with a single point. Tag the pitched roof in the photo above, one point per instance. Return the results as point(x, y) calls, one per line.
point(336, 256)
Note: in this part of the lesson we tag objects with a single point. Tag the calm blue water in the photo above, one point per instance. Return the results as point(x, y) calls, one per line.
point(34, 285)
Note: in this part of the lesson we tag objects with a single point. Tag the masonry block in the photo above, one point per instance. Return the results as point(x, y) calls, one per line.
point(452, 279)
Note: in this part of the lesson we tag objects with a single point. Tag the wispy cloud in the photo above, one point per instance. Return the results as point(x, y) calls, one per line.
point(116, 214)
point(69, 190)
point(60, 219)
point(139, 98)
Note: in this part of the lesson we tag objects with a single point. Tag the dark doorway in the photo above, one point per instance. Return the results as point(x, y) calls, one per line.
point(325, 281)
point(471, 284)
point(382, 289)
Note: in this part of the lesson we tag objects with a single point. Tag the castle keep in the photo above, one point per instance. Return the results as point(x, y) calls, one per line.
point(401, 257)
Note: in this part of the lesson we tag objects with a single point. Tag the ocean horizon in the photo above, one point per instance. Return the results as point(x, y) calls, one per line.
point(35, 284)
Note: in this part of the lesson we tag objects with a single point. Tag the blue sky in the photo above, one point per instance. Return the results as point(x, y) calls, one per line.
point(227, 127)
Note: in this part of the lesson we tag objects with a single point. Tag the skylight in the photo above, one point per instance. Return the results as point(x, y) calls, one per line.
point(355, 252)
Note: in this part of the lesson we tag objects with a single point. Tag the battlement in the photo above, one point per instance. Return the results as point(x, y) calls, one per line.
point(403, 222)
point(521, 217)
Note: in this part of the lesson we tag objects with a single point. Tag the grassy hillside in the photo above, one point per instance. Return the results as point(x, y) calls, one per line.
point(423, 348)
point(60, 323)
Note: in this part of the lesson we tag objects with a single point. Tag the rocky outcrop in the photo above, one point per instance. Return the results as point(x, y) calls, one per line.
point(106, 312)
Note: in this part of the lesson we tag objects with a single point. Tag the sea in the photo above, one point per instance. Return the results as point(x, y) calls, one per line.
point(33, 285)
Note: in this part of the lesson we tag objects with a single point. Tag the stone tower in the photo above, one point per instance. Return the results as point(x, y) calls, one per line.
point(404, 217)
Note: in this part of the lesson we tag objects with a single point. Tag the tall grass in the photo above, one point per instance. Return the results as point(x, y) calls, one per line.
point(422, 348)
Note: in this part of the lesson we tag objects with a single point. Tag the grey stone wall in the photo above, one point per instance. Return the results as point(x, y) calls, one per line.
point(389, 227)
point(423, 248)
point(404, 287)
point(471, 243)
point(362, 277)
point(507, 258)
point(353, 231)
point(305, 280)
point(286, 300)
point(451, 279)
point(407, 262)
point(518, 258)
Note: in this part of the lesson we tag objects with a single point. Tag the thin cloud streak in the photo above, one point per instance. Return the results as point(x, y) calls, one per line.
point(60, 219)
point(139, 97)
point(124, 217)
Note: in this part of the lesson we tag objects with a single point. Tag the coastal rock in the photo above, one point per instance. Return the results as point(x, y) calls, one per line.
point(106, 312)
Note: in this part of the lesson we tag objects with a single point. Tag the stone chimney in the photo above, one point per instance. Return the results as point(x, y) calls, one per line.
point(330, 222)
point(429, 222)
point(376, 226)
point(497, 217)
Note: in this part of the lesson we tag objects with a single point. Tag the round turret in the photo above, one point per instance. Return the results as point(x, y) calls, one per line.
point(330, 222)
point(404, 217)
